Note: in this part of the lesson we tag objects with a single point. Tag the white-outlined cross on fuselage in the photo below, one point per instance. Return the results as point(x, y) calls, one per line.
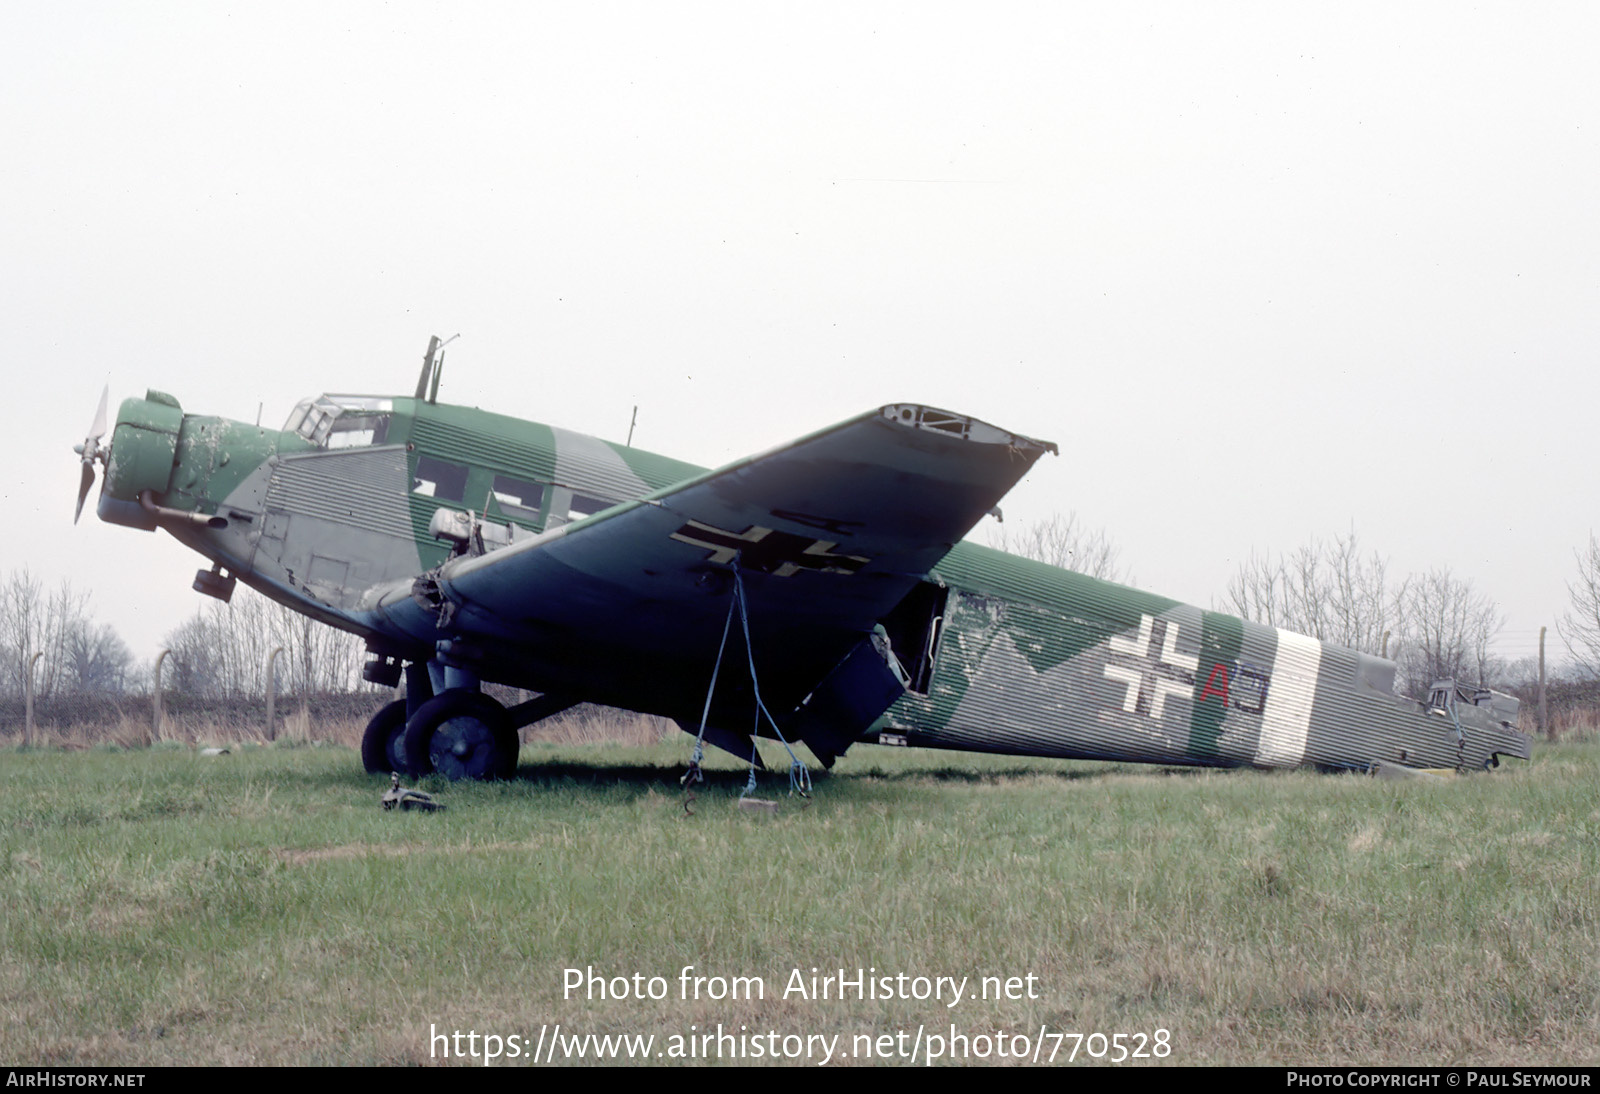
point(1170, 674)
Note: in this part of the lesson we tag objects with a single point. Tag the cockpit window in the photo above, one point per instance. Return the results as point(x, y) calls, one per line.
point(341, 421)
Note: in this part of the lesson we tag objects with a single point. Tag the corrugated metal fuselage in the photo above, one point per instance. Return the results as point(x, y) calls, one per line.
point(1017, 657)
point(1034, 660)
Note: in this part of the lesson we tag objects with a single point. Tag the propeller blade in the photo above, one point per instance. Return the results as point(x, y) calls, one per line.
point(86, 481)
point(99, 427)
point(90, 451)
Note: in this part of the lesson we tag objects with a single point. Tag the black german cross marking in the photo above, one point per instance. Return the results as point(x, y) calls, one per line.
point(767, 551)
point(1150, 667)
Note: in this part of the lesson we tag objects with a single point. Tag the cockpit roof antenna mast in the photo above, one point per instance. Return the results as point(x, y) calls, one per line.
point(432, 366)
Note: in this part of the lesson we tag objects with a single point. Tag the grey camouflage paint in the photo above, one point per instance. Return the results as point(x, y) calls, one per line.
point(1095, 674)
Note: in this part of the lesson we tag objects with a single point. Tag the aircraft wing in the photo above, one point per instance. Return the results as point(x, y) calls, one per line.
point(828, 534)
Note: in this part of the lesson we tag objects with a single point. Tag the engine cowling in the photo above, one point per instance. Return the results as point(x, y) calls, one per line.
point(144, 446)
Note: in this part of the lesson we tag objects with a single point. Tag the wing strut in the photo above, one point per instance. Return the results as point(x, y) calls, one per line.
point(799, 774)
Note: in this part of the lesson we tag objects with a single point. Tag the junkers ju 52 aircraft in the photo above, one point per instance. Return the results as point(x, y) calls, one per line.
point(468, 547)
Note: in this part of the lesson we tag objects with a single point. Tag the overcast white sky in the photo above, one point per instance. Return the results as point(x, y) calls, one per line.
point(1264, 271)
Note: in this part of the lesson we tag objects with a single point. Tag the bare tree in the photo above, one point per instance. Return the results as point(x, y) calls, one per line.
point(20, 612)
point(1450, 625)
point(1363, 606)
point(98, 660)
point(1256, 591)
point(1435, 626)
point(1063, 541)
point(195, 663)
point(320, 658)
point(222, 651)
point(1580, 627)
point(1326, 590)
point(33, 620)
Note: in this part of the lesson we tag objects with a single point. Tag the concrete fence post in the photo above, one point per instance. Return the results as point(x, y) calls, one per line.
point(272, 693)
point(1544, 707)
point(159, 720)
point(27, 717)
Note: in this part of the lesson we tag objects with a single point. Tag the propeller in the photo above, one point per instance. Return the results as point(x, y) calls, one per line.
point(91, 451)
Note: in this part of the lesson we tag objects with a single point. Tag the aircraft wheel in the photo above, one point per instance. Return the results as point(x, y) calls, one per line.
point(381, 744)
point(461, 734)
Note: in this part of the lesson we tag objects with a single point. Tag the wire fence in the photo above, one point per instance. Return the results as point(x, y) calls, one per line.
point(341, 718)
point(1574, 709)
point(130, 721)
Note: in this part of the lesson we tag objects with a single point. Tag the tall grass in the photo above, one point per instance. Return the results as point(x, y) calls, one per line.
point(338, 720)
point(159, 906)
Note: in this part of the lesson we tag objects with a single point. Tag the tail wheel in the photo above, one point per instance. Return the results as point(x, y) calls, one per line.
point(461, 734)
point(381, 744)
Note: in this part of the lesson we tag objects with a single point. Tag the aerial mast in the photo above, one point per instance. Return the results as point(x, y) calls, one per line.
point(432, 366)
point(427, 367)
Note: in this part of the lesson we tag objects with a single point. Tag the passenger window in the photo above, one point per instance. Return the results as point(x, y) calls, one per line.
point(586, 507)
point(517, 498)
point(438, 479)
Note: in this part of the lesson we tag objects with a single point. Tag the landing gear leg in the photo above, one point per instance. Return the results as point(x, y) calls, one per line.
point(419, 687)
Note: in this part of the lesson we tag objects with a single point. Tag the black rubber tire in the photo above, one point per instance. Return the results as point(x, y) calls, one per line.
point(461, 734)
point(381, 743)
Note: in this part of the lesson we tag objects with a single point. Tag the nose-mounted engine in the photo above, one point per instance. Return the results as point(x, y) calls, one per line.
point(139, 463)
point(144, 446)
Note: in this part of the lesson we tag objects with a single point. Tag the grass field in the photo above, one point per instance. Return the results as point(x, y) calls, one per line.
point(158, 906)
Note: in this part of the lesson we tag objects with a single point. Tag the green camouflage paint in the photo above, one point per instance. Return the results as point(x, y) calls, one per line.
point(1221, 638)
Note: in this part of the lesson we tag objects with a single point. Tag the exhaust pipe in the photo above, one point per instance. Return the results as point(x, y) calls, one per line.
point(178, 516)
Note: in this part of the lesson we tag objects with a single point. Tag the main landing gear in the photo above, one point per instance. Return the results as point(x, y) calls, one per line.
point(458, 732)
point(461, 734)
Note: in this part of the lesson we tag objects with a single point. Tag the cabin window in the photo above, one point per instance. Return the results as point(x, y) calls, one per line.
point(566, 506)
point(439, 479)
point(518, 499)
point(586, 506)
